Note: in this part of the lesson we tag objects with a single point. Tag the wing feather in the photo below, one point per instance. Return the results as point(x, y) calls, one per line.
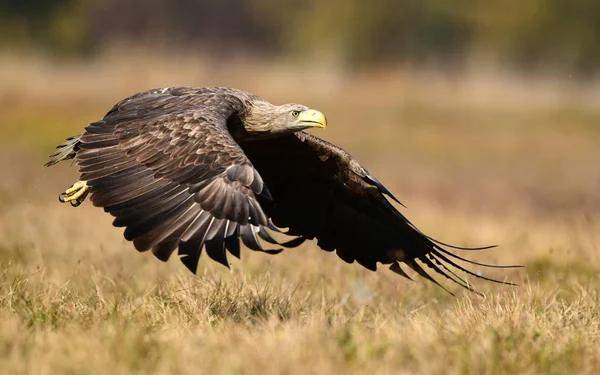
point(165, 166)
point(321, 192)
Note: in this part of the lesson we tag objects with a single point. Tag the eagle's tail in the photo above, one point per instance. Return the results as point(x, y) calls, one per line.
point(65, 151)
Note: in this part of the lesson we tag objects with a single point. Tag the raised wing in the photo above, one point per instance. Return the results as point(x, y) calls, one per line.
point(165, 166)
point(319, 191)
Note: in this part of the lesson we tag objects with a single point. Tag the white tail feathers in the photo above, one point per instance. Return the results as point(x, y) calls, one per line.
point(65, 151)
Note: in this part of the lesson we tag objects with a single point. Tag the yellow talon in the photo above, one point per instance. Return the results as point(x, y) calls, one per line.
point(76, 194)
point(77, 186)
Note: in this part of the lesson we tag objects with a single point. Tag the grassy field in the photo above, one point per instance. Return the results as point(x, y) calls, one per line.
point(496, 161)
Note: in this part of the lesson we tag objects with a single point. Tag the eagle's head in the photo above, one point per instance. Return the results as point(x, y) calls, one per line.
point(266, 119)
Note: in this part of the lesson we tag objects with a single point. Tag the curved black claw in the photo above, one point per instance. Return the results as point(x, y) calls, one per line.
point(61, 199)
point(75, 203)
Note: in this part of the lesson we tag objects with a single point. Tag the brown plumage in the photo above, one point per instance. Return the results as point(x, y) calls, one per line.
point(192, 169)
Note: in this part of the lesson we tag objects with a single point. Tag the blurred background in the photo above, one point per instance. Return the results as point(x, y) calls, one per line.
point(482, 117)
point(536, 36)
point(487, 108)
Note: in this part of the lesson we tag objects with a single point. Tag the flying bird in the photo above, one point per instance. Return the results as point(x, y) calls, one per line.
point(193, 169)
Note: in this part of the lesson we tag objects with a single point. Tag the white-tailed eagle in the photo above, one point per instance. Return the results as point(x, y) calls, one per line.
point(189, 169)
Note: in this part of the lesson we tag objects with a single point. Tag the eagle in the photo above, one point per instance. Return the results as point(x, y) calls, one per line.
point(193, 169)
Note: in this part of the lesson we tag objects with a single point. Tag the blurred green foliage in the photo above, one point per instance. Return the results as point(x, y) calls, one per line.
point(526, 35)
point(58, 25)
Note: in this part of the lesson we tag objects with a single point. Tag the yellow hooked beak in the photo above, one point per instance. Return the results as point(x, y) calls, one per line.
point(312, 118)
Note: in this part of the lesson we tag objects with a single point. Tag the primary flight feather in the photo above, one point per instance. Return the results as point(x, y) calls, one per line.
point(193, 169)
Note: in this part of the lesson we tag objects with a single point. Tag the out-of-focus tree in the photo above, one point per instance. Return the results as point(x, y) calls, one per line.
point(532, 34)
point(375, 30)
point(189, 23)
point(59, 25)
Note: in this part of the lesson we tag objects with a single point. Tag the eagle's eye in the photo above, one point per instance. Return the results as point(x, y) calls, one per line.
point(295, 113)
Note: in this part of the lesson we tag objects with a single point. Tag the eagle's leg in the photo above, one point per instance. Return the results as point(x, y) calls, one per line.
point(76, 194)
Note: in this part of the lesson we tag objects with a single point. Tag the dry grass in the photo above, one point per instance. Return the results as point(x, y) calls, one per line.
point(76, 298)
